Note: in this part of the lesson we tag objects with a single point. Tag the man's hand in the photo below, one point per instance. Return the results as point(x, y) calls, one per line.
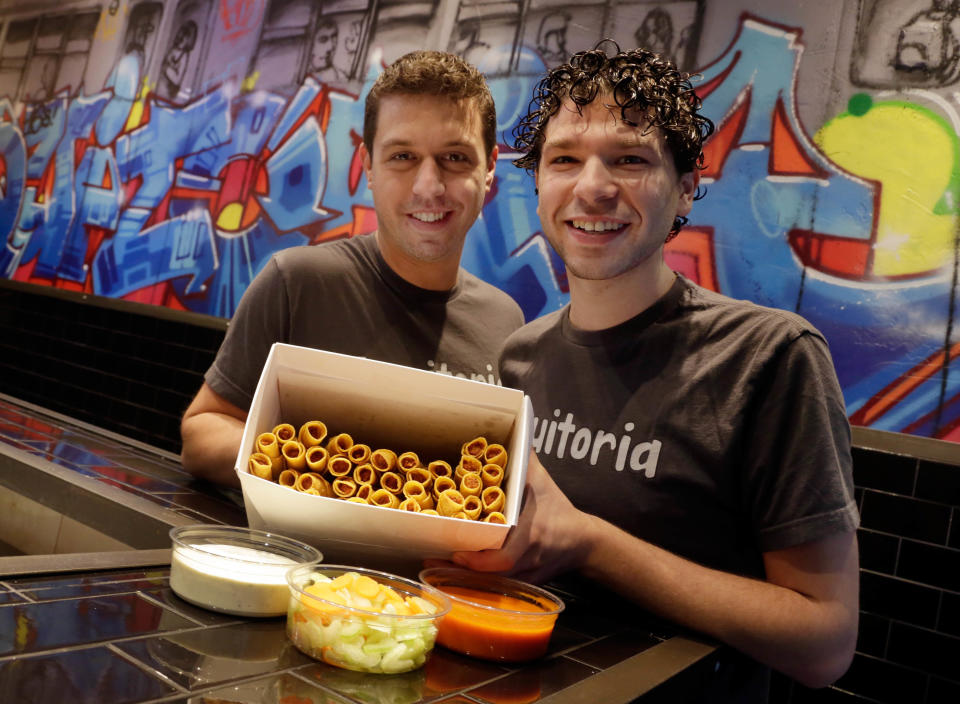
point(551, 535)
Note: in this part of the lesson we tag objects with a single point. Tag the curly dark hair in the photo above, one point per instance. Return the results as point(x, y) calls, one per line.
point(639, 82)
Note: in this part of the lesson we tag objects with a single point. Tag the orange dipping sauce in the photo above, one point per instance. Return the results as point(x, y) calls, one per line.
point(513, 630)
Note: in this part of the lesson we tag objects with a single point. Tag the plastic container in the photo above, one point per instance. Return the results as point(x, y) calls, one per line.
point(233, 570)
point(494, 617)
point(345, 617)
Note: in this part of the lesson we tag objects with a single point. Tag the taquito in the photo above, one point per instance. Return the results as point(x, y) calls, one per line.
point(450, 502)
point(491, 474)
point(339, 444)
point(260, 465)
point(285, 432)
point(288, 477)
point(294, 456)
point(312, 433)
point(495, 454)
point(316, 458)
point(472, 507)
point(495, 517)
point(383, 460)
point(311, 482)
point(359, 453)
point(344, 487)
point(492, 499)
point(382, 497)
point(474, 447)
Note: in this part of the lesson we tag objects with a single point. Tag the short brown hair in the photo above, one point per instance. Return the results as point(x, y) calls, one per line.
point(435, 73)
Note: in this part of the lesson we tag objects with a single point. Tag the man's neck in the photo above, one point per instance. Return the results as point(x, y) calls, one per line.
point(433, 276)
point(599, 305)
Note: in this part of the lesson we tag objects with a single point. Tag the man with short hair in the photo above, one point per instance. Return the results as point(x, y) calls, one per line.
point(398, 295)
point(697, 449)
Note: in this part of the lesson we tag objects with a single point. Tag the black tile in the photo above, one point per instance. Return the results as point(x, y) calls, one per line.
point(943, 692)
point(27, 628)
point(898, 599)
point(949, 614)
point(907, 517)
point(930, 564)
point(872, 635)
point(878, 551)
point(206, 657)
point(167, 598)
point(939, 482)
point(533, 682)
point(925, 650)
point(93, 675)
point(954, 540)
point(883, 681)
point(884, 471)
point(829, 695)
point(274, 689)
point(606, 652)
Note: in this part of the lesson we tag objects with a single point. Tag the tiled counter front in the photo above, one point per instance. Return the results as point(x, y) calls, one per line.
point(124, 636)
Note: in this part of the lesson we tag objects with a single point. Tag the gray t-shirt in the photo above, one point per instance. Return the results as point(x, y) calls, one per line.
point(342, 297)
point(711, 427)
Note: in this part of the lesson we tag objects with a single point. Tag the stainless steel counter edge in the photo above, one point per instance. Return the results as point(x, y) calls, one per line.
point(20, 565)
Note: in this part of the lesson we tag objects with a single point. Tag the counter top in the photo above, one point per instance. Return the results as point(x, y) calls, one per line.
point(106, 627)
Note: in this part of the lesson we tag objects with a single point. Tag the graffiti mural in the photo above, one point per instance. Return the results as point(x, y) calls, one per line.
point(161, 152)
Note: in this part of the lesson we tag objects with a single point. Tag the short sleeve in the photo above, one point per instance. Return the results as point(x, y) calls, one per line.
point(262, 318)
point(798, 478)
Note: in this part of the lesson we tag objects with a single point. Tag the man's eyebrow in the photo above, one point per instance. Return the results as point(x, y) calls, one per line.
point(404, 142)
point(624, 142)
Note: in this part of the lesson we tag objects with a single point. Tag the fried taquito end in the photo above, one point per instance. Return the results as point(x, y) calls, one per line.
point(317, 457)
point(450, 502)
point(471, 484)
point(474, 447)
point(260, 465)
point(472, 507)
point(415, 490)
point(288, 477)
point(339, 466)
point(344, 487)
point(382, 497)
point(430, 512)
point(492, 499)
point(294, 456)
point(441, 484)
point(285, 433)
point(495, 454)
point(408, 460)
point(363, 492)
point(439, 468)
point(459, 514)
point(312, 433)
point(392, 482)
point(383, 460)
point(422, 475)
point(267, 444)
point(495, 517)
point(359, 453)
point(339, 444)
point(410, 505)
point(355, 500)
point(313, 483)
point(467, 464)
point(364, 474)
point(492, 475)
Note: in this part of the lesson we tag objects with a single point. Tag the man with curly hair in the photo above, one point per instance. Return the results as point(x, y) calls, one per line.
point(696, 447)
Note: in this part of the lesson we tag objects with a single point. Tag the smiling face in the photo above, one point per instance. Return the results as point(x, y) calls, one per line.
point(429, 173)
point(609, 193)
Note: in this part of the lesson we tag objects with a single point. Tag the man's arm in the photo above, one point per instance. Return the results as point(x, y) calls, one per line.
point(211, 430)
point(801, 621)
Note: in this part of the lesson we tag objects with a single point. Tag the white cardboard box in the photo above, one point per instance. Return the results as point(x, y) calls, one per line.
point(382, 405)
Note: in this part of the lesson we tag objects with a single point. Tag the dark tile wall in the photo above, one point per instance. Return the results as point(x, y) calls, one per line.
point(130, 373)
point(908, 650)
point(134, 374)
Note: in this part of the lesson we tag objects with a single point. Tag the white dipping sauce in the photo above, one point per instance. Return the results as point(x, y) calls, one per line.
point(232, 579)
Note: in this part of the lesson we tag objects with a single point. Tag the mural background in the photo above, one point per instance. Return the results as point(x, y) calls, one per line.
point(160, 152)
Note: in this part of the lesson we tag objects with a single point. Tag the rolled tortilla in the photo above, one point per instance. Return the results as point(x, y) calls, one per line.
point(359, 453)
point(356, 500)
point(492, 475)
point(439, 468)
point(429, 512)
point(391, 482)
point(495, 517)
point(344, 487)
point(363, 492)
point(472, 507)
point(294, 456)
point(339, 444)
point(410, 505)
point(339, 466)
point(468, 463)
point(261, 466)
point(267, 444)
point(383, 460)
point(312, 433)
point(492, 499)
point(285, 432)
point(471, 484)
point(413, 489)
point(288, 477)
point(495, 454)
point(474, 447)
point(382, 497)
point(450, 502)
point(311, 482)
point(364, 474)
point(317, 457)
point(408, 460)
point(422, 475)
point(441, 484)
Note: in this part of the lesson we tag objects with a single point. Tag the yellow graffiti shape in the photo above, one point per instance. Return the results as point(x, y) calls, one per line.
point(912, 153)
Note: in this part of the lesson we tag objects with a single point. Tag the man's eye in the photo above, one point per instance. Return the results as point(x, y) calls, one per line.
point(456, 157)
point(401, 156)
point(633, 159)
point(562, 160)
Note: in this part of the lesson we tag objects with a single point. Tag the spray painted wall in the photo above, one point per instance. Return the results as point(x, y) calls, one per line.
point(161, 151)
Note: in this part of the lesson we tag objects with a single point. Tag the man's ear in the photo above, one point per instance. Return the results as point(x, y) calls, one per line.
point(367, 163)
point(688, 189)
point(491, 167)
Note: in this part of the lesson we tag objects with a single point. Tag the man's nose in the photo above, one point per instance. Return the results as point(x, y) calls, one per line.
point(595, 182)
point(428, 182)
